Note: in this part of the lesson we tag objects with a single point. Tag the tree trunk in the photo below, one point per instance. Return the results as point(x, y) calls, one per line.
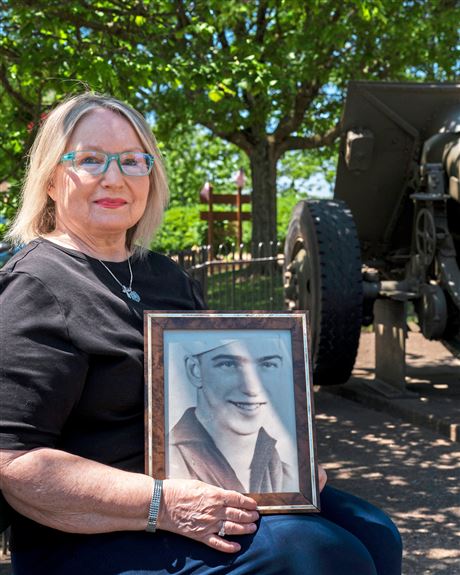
point(263, 175)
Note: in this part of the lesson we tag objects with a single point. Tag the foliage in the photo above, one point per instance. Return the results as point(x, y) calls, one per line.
point(286, 204)
point(194, 156)
point(9, 199)
point(311, 173)
point(267, 76)
point(181, 229)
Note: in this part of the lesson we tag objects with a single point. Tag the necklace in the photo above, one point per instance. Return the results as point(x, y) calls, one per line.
point(128, 291)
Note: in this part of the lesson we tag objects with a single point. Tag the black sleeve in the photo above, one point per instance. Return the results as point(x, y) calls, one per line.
point(198, 296)
point(41, 374)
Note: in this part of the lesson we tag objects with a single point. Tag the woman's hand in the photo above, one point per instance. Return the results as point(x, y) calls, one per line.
point(199, 511)
point(322, 476)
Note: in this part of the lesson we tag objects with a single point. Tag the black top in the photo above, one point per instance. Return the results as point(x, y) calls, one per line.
point(72, 374)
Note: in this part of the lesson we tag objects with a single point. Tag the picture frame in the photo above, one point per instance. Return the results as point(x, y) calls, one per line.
point(229, 401)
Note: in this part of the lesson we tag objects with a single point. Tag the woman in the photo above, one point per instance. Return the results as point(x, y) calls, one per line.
point(71, 429)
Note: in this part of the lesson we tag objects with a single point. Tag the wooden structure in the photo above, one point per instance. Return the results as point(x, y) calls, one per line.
point(235, 214)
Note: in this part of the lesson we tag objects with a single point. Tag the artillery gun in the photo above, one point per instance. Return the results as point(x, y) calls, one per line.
point(391, 235)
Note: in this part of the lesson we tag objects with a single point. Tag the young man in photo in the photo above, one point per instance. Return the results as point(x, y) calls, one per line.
point(224, 439)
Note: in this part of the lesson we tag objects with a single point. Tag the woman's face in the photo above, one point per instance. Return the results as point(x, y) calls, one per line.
point(107, 205)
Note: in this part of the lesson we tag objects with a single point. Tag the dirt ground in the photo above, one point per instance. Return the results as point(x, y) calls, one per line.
point(411, 471)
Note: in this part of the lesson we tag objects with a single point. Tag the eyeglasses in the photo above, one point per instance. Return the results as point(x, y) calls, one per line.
point(97, 163)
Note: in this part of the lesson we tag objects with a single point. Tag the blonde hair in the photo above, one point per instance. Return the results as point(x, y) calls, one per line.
point(36, 215)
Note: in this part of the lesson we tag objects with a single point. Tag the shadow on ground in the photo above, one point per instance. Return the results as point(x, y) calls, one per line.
point(412, 473)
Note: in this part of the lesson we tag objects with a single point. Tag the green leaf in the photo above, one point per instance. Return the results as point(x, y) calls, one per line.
point(215, 95)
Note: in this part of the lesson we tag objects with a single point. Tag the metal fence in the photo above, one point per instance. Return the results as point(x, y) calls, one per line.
point(238, 277)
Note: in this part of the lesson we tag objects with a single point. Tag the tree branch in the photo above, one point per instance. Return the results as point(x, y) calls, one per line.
point(27, 106)
point(291, 122)
point(307, 92)
point(122, 9)
point(85, 18)
point(223, 40)
point(308, 143)
point(261, 22)
point(181, 15)
point(9, 53)
point(237, 137)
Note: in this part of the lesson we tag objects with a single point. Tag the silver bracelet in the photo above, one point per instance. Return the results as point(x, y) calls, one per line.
point(154, 506)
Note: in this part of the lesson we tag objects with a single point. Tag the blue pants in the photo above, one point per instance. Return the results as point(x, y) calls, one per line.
point(349, 537)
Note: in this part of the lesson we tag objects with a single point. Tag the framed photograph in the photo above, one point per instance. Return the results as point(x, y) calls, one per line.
point(229, 401)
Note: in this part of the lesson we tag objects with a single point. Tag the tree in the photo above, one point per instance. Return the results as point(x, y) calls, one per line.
point(265, 75)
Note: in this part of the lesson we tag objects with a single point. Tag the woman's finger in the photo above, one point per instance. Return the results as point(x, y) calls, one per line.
point(200, 511)
point(238, 500)
point(240, 515)
point(322, 475)
point(221, 544)
point(232, 528)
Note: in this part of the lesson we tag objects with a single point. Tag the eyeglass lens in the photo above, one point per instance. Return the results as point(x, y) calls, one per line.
point(131, 163)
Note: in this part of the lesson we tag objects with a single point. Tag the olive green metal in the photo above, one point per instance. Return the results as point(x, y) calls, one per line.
point(398, 172)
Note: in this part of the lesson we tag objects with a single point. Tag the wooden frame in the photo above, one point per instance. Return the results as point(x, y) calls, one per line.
point(201, 410)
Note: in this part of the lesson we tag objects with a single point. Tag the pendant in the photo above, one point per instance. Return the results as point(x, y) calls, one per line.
point(131, 294)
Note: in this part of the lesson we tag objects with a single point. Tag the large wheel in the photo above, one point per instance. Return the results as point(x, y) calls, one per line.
point(451, 337)
point(323, 275)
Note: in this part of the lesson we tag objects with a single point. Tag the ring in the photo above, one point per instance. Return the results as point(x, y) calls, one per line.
point(222, 530)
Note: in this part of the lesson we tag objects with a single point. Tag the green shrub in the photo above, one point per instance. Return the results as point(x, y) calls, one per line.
point(285, 206)
point(181, 229)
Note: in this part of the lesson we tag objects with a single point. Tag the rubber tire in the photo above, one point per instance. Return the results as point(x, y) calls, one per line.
point(451, 337)
point(334, 291)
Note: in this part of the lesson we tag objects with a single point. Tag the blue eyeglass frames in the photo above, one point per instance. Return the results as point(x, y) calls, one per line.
point(97, 163)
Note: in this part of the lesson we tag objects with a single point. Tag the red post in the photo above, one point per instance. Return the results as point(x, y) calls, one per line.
point(206, 195)
point(240, 181)
point(210, 223)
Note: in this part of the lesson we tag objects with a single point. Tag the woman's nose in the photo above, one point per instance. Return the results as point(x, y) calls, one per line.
point(112, 175)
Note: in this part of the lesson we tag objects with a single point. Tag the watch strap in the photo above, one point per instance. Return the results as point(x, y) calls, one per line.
point(154, 506)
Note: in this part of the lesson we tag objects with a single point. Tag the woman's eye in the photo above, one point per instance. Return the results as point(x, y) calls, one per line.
point(89, 160)
point(133, 159)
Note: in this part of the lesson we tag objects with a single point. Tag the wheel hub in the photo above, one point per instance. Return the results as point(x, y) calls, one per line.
point(425, 236)
point(432, 311)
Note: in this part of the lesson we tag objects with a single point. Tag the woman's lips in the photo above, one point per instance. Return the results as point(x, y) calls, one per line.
point(111, 202)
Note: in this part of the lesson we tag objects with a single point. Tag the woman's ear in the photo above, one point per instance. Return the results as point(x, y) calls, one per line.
point(193, 370)
point(51, 189)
